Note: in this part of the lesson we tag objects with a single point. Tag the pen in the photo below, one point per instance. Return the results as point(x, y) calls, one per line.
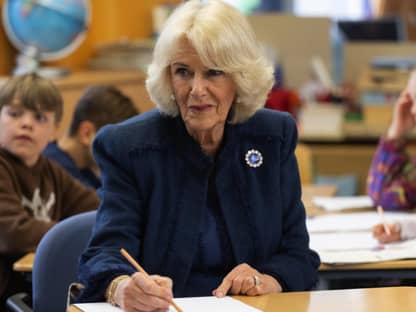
point(139, 268)
point(381, 214)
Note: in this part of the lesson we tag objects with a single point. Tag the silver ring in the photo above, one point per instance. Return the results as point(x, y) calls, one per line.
point(256, 280)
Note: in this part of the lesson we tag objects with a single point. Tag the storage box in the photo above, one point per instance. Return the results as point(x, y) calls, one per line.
point(322, 122)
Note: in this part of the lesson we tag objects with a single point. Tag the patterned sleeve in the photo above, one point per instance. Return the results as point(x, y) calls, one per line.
point(407, 229)
point(391, 181)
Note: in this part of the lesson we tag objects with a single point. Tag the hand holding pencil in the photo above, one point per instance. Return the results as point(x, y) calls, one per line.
point(160, 281)
point(386, 232)
point(143, 292)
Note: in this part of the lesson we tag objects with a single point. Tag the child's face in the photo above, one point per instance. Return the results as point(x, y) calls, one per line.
point(24, 132)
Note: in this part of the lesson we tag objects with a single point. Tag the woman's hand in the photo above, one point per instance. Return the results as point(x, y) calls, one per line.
point(245, 280)
point(380, 234)
point(141, 293)
point(404, 113)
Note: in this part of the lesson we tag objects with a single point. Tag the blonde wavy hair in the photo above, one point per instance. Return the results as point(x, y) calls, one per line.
point(224, 41)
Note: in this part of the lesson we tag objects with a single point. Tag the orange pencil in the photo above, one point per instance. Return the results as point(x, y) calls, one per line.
point(139, 268)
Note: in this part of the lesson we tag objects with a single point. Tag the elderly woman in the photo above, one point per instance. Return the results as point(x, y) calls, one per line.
point(204, 191)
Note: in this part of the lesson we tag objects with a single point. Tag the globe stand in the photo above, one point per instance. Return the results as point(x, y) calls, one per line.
point(29, 62)
point(44, 31)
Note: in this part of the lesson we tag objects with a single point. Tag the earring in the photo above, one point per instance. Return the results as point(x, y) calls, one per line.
point(172, 98)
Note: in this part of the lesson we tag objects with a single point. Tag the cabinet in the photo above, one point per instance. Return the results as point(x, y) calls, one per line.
point(338, 158)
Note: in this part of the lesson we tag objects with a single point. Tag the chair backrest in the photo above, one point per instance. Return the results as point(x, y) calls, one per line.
point(56, 261)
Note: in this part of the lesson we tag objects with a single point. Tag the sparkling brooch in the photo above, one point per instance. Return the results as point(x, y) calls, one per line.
point(254, 158)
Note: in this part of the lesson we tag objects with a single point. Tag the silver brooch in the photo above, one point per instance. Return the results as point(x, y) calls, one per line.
point(254, 158)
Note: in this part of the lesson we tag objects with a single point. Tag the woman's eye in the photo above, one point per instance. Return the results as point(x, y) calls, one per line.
point(214, 73)
point(182, 71)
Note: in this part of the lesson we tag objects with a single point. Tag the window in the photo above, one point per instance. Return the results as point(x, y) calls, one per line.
point(339, 9)
point(245, 6)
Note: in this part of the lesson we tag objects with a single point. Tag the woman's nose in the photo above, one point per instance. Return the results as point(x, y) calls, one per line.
point(199, 88)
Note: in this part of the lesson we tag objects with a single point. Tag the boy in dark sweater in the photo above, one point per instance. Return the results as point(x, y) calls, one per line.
point(98, 106)
point(35, 193)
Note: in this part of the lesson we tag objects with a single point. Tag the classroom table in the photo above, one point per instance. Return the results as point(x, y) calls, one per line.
point(25, 263)
point(389, 299)
point(393, 269)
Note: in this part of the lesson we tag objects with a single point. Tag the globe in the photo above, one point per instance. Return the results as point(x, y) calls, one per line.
point(45, 30)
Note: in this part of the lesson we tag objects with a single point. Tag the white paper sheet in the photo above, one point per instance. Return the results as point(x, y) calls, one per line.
point(191, 304)
point(97, 307)
point(347, 238)
point(343, 241)
point(397, 251)
point(352, 222)
point(342, 202)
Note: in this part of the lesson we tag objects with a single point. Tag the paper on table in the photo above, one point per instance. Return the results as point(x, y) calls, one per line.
point(342, 202)
point(191, 304)
point(347, 238)
point(97, 307)
point(209, 304)
point(344, 241)
point(359, 221)
point(396, 251)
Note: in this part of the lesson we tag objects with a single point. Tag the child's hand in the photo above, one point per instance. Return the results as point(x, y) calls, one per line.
point(404, 116)
point(380, 234)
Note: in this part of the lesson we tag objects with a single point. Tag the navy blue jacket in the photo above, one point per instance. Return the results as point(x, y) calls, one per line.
point(154, 185)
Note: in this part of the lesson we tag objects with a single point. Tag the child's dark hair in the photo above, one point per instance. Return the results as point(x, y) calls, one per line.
point(33, 92)
point(102, 105)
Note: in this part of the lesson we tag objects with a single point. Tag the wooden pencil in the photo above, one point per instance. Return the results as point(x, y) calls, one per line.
point(139, 268)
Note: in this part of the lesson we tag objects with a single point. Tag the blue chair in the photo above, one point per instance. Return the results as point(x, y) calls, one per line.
point(56, 265)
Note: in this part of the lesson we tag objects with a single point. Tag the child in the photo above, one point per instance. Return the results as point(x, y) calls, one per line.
point(99, 105)
point(392, 176)
point(391, 180)
point(35, 193)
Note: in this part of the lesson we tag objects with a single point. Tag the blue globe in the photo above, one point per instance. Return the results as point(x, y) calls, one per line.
point(54, 27)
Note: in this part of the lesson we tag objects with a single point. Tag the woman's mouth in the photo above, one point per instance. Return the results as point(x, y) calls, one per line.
point(201, 108)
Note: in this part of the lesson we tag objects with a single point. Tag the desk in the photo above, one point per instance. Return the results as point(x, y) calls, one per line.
point(25, 263)
point(397, 299)
point(401, 269)
point(391, 299)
